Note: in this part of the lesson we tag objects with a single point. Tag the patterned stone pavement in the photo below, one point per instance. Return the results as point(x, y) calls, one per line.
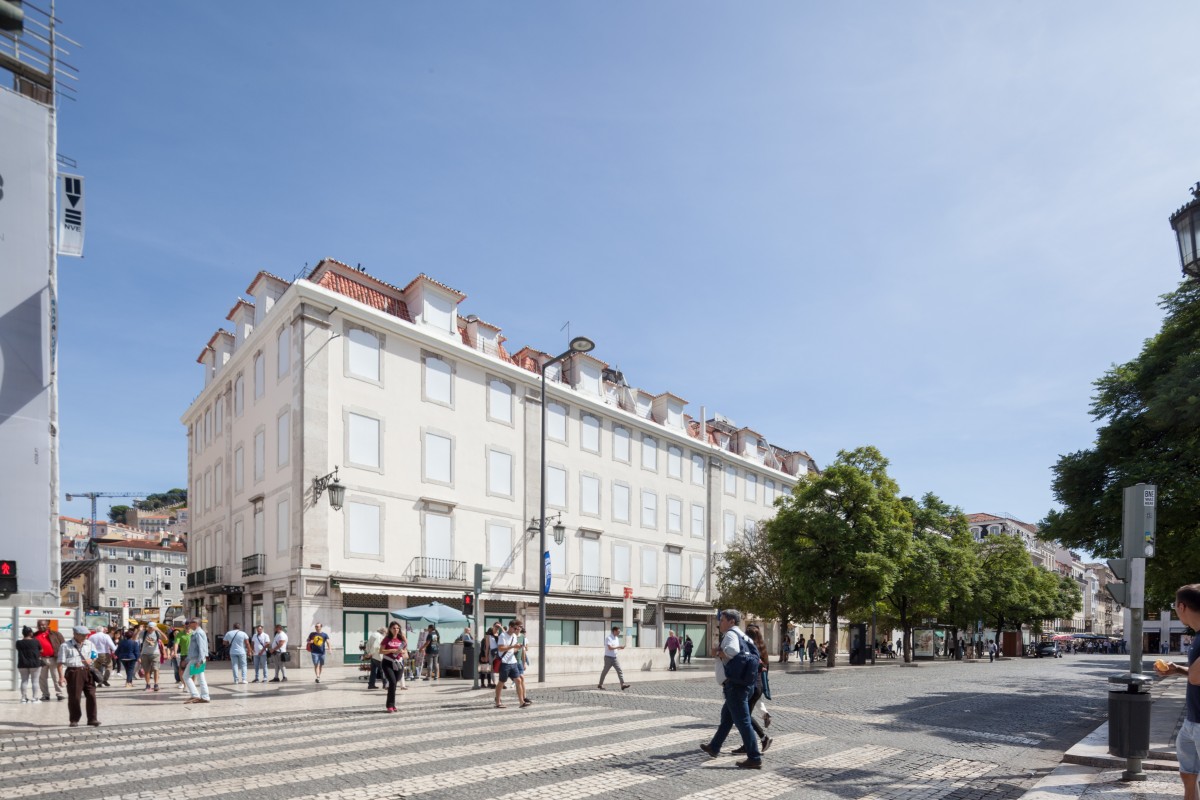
point(963, 731)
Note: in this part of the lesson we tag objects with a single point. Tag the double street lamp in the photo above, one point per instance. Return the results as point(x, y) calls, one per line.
point(580, 344)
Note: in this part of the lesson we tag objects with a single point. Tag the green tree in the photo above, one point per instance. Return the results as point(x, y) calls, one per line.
point(750, 576)
point(1150, 409)
point(937, 571)
point(117, 514)
point(841, 535)
point(171, 497)
point(1011, 591)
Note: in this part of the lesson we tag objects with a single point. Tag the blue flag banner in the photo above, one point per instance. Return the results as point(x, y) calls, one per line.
point(546, 571)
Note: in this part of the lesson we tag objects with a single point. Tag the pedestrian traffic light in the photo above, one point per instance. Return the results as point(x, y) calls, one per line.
point(481, 579)
point(8, 578)
point(469, 604)
point(1119, 589)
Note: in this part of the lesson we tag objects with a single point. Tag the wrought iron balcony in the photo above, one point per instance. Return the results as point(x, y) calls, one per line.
point(588, 584)
point(675, 591)
point(191, 580)
point(254, 565)
point(436, 569)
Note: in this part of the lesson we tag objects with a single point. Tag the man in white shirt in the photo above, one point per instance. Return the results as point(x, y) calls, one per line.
point(278, 651)
point(105, 648)
point(510, 649)
point(260, 648)
point(736, 710)
point(371, 651)
point(76, 656)
point(612, 643)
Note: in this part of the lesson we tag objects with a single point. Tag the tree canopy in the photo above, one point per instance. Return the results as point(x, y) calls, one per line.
point(1150, 408)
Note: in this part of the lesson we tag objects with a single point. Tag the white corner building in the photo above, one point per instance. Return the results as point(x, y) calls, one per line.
point(435, 432)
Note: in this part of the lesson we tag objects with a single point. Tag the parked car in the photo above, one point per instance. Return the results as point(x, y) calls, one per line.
point(1048, 649)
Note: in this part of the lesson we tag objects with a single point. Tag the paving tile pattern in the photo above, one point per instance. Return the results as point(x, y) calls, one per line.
point(955, 731)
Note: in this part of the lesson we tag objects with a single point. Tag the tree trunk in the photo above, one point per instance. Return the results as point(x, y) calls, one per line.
point(905, 633)
point(831, 651)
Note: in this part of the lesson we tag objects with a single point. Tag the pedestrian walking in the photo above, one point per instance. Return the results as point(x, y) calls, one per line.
point(732, 655)
point(260, 649)
point(371, 652)
point(760, 690)
point(150, 655)
point(485, 662)
point(687, 649)
point(279, 653)
point(785, 648)
point(612, 643)
point(76, 655)
point(991, 650)
point(127, 654)
point(672, 647)
point(800, 648)
point(433, 640)
point(235, 643)
point(1187, 741)
point(183, 643)
point(318, 642)
point(49, 642)
point(812, 650)
point(194, 678)
point(106, 650)
point(29, 664)
point(509, 646)
point(392, 649)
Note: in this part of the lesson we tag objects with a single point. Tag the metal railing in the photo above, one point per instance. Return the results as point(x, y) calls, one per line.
point(588, 584)
point(254, 565)
point(204, 577)
point(675, 591)
point(436, 569)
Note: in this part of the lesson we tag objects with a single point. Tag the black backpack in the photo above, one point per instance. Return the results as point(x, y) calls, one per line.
point(742, 669)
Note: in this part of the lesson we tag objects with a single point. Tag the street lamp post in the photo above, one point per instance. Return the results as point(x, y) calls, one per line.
point(580, 344)
point(1186, 224)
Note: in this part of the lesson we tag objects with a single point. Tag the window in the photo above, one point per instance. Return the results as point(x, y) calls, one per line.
point(207, 489)
point(556, 487)
point(752, 487)
point(438, 386)
point(499, 476)
point(499, 544)
point(649, 567)
point(207, 425)
point(620, 570)
point(620, 444)
point(556, 422)
point(620, 502)
point(730, 527)
point(112, 567)
point(149, 585)
point(674, 515)
point(167, 572)
point(362, 354)
point(260, 544)
point(362, 440)
point(239, 469)
point(590, 433)
point(283, 444)
point(364, 529)
point(260, 455)
point(259, 375)
point(674, 463)
point(697, 469)
point(697, 521)
point(562, 631)
point(239, 396)
point(500, 396)
point(218, 482)
point(197, 434)
point(769, 492)
point(731, 481)
point(130, 585)
point(129, 569)
point(283, 362)
point(589, 495)
point(649, 509)
point(238, 544)
point(283, 525)
point(649, 453)
point(438, 461)
point(219, 416)
point(112, 584)
point(698, 573)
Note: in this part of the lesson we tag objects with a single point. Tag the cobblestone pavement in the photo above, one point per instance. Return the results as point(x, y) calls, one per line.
point(963, 731)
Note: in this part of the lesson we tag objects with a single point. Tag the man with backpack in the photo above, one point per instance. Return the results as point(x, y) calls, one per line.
point(432, 640)
point(737, 666)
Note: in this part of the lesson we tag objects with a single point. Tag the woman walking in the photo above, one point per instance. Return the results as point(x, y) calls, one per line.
point(29, 662)
point(392, 650)
point(127, 654)
point(764, 741)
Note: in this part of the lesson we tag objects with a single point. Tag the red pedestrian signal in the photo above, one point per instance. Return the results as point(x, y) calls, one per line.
point(8, 577)
point(469, 604)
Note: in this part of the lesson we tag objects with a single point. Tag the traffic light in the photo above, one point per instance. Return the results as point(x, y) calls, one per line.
point(481, 579)
point(12, 16)
point(8, 577)
point(1119, 590)
point(1139, 504)
point(469, 604)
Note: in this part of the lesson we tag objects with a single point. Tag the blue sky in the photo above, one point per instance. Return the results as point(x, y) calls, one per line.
point(923, 226)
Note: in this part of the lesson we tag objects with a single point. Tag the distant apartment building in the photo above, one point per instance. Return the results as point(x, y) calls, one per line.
point(1041, 553)
point(435, 431)
point(120, 568)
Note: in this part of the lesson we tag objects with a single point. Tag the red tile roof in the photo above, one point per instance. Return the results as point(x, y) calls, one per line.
point(240, 302)
point(360, 291)
point(426, 278)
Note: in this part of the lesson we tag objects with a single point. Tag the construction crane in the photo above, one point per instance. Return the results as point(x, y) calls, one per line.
point(94, 495)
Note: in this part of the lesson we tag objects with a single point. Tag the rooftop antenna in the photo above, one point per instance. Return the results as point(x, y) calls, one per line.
point(567, 326)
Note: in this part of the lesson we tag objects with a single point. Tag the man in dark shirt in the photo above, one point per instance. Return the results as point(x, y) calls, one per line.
point(1187, 743)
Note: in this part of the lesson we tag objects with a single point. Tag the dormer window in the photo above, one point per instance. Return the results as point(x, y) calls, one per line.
point(433, 305)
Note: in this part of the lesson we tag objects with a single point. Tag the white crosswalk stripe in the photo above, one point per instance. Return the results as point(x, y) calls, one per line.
point(600, 783)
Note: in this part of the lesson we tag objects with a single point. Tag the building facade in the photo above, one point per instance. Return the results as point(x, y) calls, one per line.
point(434, 429)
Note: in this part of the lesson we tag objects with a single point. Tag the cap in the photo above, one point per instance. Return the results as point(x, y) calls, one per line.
point(82, 631)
